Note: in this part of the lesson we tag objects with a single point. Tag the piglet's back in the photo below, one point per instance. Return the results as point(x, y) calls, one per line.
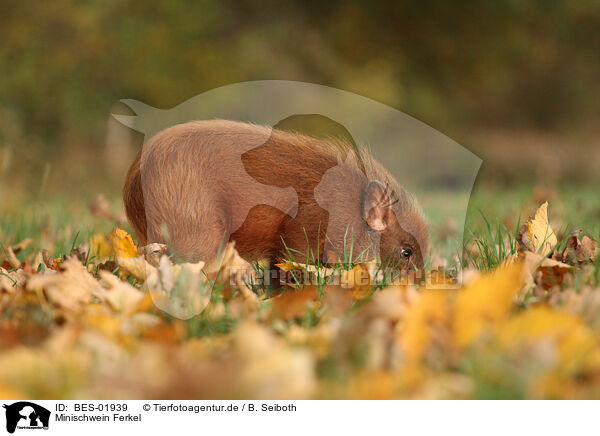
point(201, 179)
point(199, 184)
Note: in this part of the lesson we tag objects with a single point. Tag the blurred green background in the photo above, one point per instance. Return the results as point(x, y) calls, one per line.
point(515, 81)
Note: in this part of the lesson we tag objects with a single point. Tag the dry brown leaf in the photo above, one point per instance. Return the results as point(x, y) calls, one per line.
point(588, 250)
point(295, 273)
point(290, 266)
point(11, 281)
point(552, 273)
point(569, 253)
point(70, 288)
point(121, 296)
point(293, 266)
point(577, 251)
point(546, 272)
point(17, 248)
point(50, 263)
point(11, 258)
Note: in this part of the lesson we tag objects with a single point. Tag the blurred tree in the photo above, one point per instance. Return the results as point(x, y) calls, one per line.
point(529, 63)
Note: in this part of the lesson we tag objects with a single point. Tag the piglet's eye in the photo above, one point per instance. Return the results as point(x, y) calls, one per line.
point(406, 253)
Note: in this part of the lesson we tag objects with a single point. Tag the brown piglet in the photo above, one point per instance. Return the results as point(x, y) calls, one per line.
point(277, 194)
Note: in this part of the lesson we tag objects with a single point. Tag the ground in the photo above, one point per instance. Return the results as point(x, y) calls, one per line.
point(83, 318)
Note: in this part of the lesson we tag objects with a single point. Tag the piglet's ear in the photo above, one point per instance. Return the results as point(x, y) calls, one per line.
point(377, 206)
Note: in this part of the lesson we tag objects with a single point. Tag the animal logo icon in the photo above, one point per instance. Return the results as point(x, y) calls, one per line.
point(26, 415)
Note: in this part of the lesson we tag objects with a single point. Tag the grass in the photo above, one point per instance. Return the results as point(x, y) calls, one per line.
point(360, 333)
point(492, 221)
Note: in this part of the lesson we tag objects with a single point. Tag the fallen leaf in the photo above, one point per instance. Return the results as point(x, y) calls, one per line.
point(587, 250)
point(121, 296)
point(137, 267)
point(577, 346)
point(546, 272)
point(292, 303)
point(123, 243)
point(182, 291)
point(231, 270)
point(485, 302)
point(427, 314)
point(71, 288)
point(100, 246)
point(17, 248)
point(12, 260)
point(295, 274)
point(290, 373)
point(536, 235)
point(358, 280)
point(576, 251)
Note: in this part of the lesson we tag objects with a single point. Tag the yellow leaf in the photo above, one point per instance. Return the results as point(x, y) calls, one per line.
point(428, 313)
point(182, 291)
point(72, 288)
point(574, 342)
point(485, 302)
point(123, 244)
point(289, 266)
point(373, 385)
point(539, 237)
point(109, 324)
point(137, 267)
point(291, 370)
point(358, 280)
point(99, 246)
point(292, 303)
point(121, 296)
point(37, 373)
